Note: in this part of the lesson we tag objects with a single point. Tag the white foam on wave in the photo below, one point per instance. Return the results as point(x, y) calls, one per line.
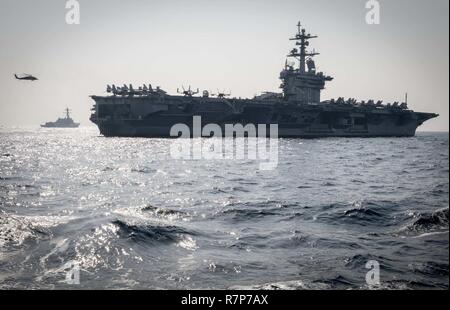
point(424, 235)
point(188, 243)
point(15, 229)
point(284, 285)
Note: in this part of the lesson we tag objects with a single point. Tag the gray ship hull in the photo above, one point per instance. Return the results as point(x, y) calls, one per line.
point(151, 117)
point(76, 125)
point(126, 129)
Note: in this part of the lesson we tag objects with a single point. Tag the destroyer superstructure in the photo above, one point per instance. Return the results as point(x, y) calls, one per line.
point(298, 109)
point(66, 122)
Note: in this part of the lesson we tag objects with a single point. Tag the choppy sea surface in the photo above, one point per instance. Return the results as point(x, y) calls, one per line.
point(130, 217)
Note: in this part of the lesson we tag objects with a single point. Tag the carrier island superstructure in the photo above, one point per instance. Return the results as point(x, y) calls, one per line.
point(298, 109)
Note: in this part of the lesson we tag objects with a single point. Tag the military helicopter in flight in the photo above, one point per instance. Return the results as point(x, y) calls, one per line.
point(26, 77)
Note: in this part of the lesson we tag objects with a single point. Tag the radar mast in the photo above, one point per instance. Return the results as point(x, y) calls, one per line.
point(301, 85)
point(302, 40)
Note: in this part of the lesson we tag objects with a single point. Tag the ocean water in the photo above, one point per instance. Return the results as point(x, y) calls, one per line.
point(127, 216)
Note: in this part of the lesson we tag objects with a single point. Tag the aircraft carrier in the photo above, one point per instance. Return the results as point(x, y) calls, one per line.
point(297, 109)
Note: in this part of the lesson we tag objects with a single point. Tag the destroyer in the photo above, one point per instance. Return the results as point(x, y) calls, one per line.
point(66, 122)
point(298, 109)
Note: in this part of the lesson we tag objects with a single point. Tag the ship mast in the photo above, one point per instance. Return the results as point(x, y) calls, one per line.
point(303, 85)
point(67, 113)
point(302, 40)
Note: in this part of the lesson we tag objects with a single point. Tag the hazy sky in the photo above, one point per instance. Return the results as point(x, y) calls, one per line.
point(232, 45)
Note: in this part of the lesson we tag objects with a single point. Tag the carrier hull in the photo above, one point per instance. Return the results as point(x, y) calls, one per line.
point(135, 117)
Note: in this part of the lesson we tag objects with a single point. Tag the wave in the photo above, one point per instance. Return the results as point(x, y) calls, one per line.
point(246, 214)
point(359, 261)
point(253, 210)
point(431, 269)
point(137, 169)
point(16, 230)
point(304, 187)
point(149, 212)
point(359, 213)
point(401, 285)
point(437, 220)
point(9, 178)
point(144, 170)
point(283, 285)
point(163, 211)
point(337, 282)
point(340, 282)
point(152, 233)
point(362, 213)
